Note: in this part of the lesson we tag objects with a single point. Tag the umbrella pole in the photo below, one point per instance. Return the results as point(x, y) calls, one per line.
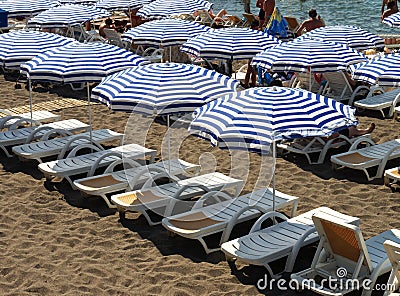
point(169, 146)
point(310, 81)
point(273, 175)
point(30, 97)
point(89, 111)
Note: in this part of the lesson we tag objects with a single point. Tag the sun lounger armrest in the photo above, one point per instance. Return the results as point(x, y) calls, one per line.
point(375, 89)
point(219, 196)
point(3, 121)
point(162, 174)
point(22, 121)
point(233, 221)
point(74, 151)
point(270, 215)
point(394, 105)
point(361, 140)
point(356, 92)
point(68, 145)
point(177, 196)
point(33, 133)
point(296, 248)
point(124, 161)
point(54, 132)
point(96, 164)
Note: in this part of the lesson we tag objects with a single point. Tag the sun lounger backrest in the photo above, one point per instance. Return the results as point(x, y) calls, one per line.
point(343, 241)
point(338, 84)
point(393, 252)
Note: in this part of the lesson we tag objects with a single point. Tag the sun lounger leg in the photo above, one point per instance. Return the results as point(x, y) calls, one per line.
point(5, 151)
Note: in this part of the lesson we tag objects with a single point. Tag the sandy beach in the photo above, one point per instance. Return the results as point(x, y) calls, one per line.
point(54, 242)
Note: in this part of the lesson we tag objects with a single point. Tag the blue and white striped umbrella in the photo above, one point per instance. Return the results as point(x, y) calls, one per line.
point(20, 46)
point(229, 43)
point(162, 88)
point(168, 8)
point(392, 20)
point(300, 56)
point(83, 2)
point(80, 62)
point(352, 36)
point(66, 15)
point(384, 70)
point(254, 118)
point(121, 4)
point(167, 32)
point(26, 7)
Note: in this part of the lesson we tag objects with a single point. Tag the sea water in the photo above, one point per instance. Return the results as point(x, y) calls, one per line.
point(364, 14)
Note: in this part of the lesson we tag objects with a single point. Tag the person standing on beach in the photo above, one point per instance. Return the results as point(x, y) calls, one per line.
point(312, 23)
point(268, 7)
point(261, 14)
point(391, 9)
point(386, 2)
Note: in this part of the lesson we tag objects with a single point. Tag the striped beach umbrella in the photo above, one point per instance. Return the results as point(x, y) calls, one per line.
point(26, 7)
point(162, 88)
point(80, 62)
point(392, 20)
point(229, 43)
point(20, 46)
point(83, 2)
point(121, 4)
point(308, 54)
point(384, 70)
point(168, 8)
point(256, 118)
point(66, 15)
point(351, 36)
point(166, 32)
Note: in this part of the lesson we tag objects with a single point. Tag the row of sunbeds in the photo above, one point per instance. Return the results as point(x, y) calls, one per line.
point(214, 212)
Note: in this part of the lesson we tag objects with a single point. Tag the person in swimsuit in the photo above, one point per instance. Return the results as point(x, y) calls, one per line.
point(386, 2)
point(353, 131)
point(261, 13)
point(391, 9)
point(268, 7)
point(312, 23)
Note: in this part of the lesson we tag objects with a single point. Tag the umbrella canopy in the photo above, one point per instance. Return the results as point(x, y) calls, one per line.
point(168, 8)
point(254, 118)
point(392, 20)
point(20, 46)
point(80, 62)
point(300, 56)
point(121, 4)
point(167, 32)
point(351, 36)
point(162, 88)
point(384, 70)
point(84, 2)
point(26, 7)
point(66, 15)
point(229, 43)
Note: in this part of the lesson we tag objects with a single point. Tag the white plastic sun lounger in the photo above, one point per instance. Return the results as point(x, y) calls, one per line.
point(263, 246)
point(20, 136)
point(386, 100)
point(112, 182)
point(59, 146)
point(42, 116)
point(223, 216)
point(316, 145)
point(393, 252)
point(74, 165)
point(165, 198)
point(342, 246)
point(368, 157)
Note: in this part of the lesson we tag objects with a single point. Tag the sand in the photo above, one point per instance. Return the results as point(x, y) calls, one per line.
point(54, 242)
